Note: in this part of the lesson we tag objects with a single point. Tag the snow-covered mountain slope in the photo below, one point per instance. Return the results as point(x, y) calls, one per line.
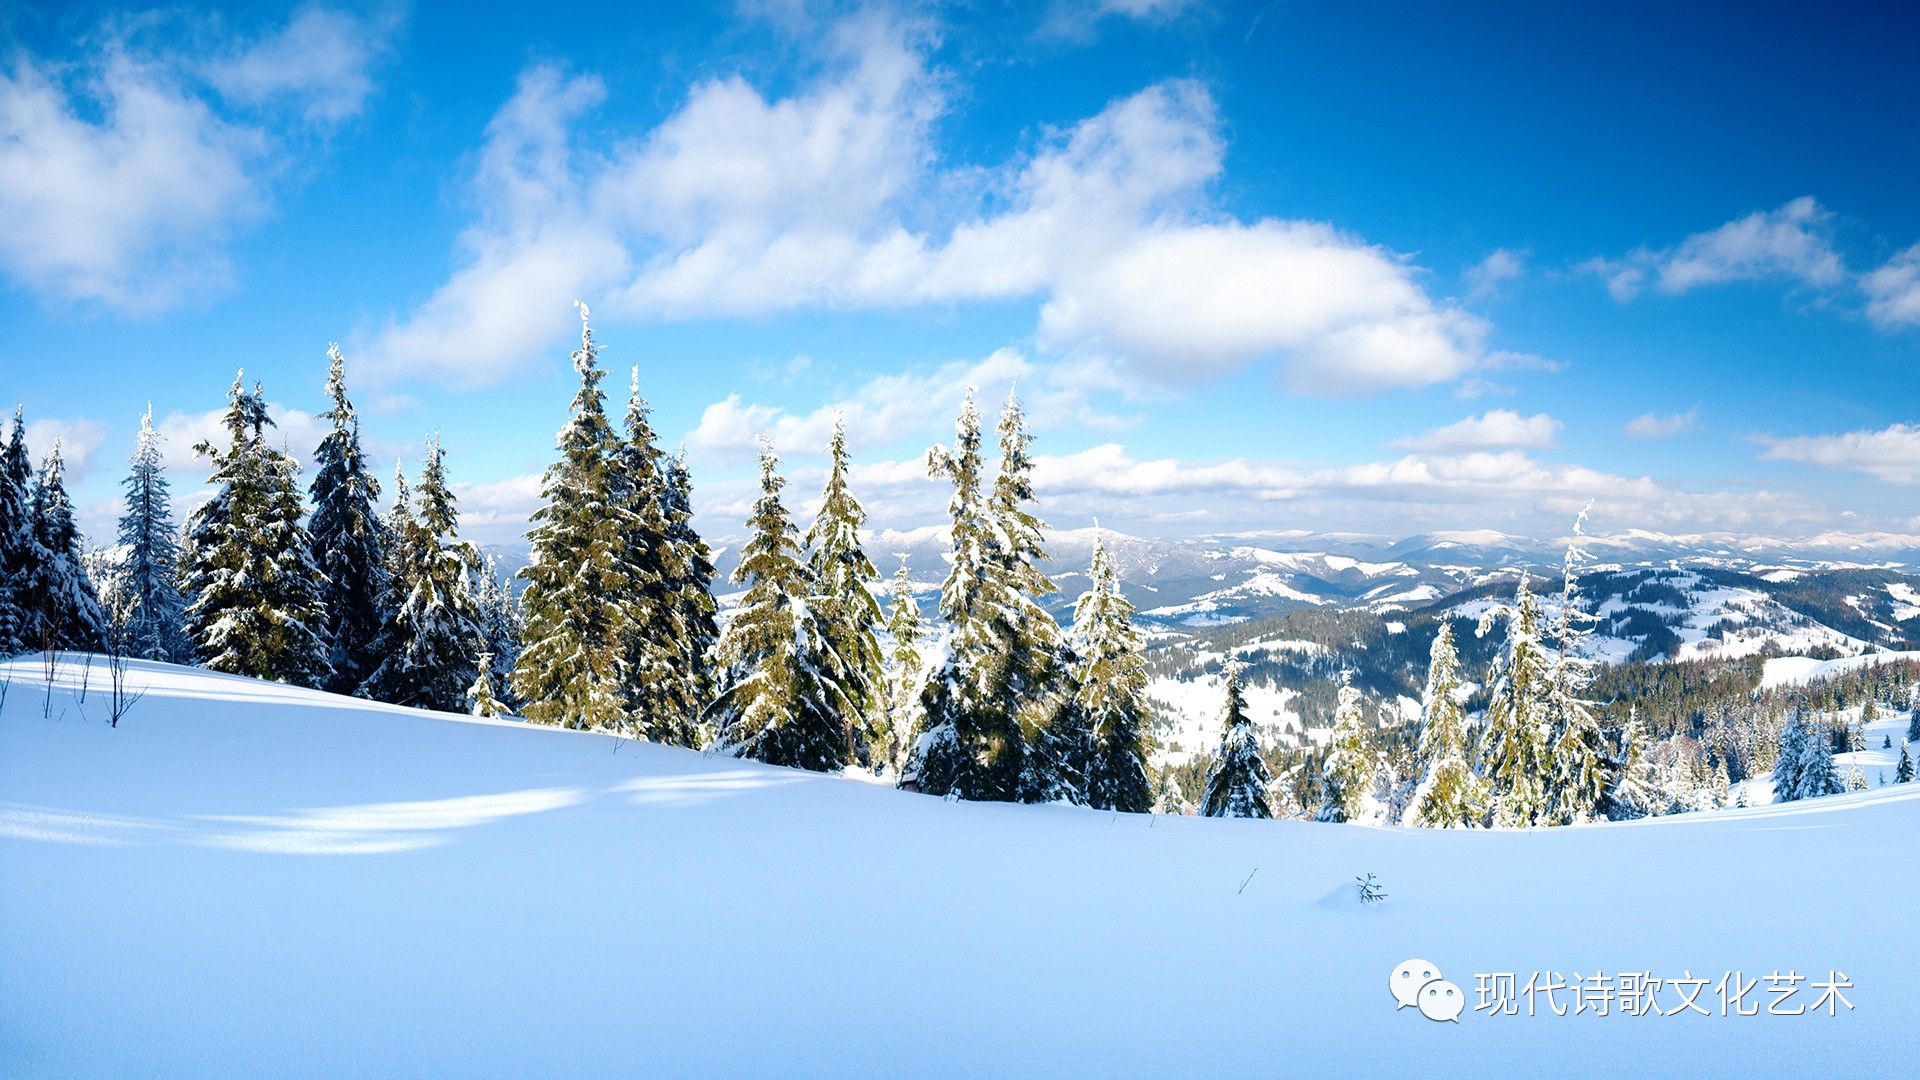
point(246, 880)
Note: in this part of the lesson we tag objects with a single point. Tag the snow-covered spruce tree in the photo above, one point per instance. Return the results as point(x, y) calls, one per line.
point(252, 587)
point(783, 697)
point(1631, 792)
point(577, 602)
point(906, 672)
point(1786, 768)
point(1913, 722)
point(480, 698)
point(16, 536)
point(1581, 764)
point(152, 618)
point(1237, 783)
point(1171, 800)
point(651, 644)
point(1515, 750)
point(1111, 687)
point(841, 572)
point(430, 647)
point(1903, 772)
point(691, 680)
point(349, 541)
point(1817, 773)
point(1449, 796)
point(56, 595)
point(500, 626)
point(1347, 772)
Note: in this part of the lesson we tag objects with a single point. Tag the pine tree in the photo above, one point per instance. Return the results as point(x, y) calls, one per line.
point(1579, 747)
point(647, 555)
point(16, 537)
point(841, 571)
point(1348, 770)
point(1903, 773)
point(783, 697)
point(349, 541)
point(252, 586)
point(1630, 795)
point(1237, 783)
point(57, 597)
point(152, 613)
point(1787, 767)
point(499, 625)
point(1817, 774)
point(431, 644)
point(691, 680)
point(1913, 722)
point(1111, 687)
point(906, 675)
point(1449, 796)
point(480, 699)
point(577, 605)
point(1171, 799)
point(1515, 749)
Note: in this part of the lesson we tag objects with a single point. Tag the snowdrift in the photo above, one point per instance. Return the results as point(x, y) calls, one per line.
point(248, 880)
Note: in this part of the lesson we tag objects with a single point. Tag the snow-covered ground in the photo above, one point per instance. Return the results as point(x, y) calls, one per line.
point(247, 881)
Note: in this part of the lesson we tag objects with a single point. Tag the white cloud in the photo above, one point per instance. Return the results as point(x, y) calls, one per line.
point(1791, 242)
point(835, 197)
point(1496, 428)
point(500, 512)
point(1891, 454)
point(1661, 425)
point(1488, 277)
point(1893, 291)
point(321, 61)
point(120, 184)
point(80, 439)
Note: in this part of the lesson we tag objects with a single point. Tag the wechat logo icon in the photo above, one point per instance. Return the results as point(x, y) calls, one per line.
point(1419, 984)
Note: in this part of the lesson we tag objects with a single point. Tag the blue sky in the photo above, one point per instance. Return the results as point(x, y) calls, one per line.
point(1382, 268)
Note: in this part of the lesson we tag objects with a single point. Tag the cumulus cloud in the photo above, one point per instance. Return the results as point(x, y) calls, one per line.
point(122, 183)
point(80, 440)
point(1792, 242)
point(1661, 425)
point(836, 197)
point(1893, 291)
point(1489, 277)
point(321, 62)
point(1891, 454)
point(1496, 428)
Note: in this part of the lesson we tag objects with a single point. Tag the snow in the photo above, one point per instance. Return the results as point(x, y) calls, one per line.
point(247, 880)
point(1791, 670)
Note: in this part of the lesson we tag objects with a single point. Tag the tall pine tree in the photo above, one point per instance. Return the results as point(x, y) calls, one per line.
point(690, 681)
point(1237, 783)
point(1449, 796)
point(16, 537)
point(349, 541)
point(432, 642)
point(1581, 765)
point(500, 627)
point(1515, 752)
point(841, 572)
point(1111, 685)
point(906, 673)
point(152, 613)
point(1347, 773)
point(783, 698)
point(577, 603)
point(648, 555)
point(62, 611)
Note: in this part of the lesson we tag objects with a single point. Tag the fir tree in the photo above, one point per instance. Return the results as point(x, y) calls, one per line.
point(1913, 722)
point(1787, 767)
point(906, 676)
point(1817, 773)
point(691, 679)
point(252, 585)
point(431, 642)
point(1348, 770)
point(783, 698)
point(653, 631)
point(1579, 747)
point(1903, 773)
point(1111, 690)
point(499, 625)
point(17, 549)
point(1630, 795)
point(57, 597)
point(152, 613)
point(480, 699)
point(349, 541)
point(841, 571)
point(1449, 795)
point(1237, 783)
point(1171, 799)
point(1515, 756)
point(577, 603)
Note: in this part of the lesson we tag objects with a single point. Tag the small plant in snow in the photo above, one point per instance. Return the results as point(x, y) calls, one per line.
point(1371, 891)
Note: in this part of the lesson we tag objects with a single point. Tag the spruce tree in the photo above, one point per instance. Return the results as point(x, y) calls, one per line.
point(500, 626)
point(1903, 773)
point(349, 541)
point(647, 555)
point(841, 571)
point(783, 697)
point(1515, 750)
point(1449, 795)
point(57, 597)
point(1787, 767)
point(1913, 721)
point(480, 698)
point(1111, 690)
point(1237, 783)
point(152, 615)
point(252, 585)
point(1579, 748)
point(431, 644)
point(577, 603)
point(1630, 794)
point(1347, 772)
point(1817, 773)
point(906, 675)
point(690, 682)
point(16, 537)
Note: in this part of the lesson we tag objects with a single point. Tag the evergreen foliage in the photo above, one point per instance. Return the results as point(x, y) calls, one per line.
point(480, 698)
point(1110, 687)
point(349, 541)
point(151, 613)
point(906, 674)
point(59, 607)
point(1515, 749)
point(431, 644)
point(1449, 795)
point(648, 556)
point(499, 626)
point(1581, 765)
point(841, 572)
point(16, 537)
point(690, 682)
point(1347, 772)
point(1903, 773)
point(1237, 784)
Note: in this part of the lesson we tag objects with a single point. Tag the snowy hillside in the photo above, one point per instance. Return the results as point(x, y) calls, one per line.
point(247, 880)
